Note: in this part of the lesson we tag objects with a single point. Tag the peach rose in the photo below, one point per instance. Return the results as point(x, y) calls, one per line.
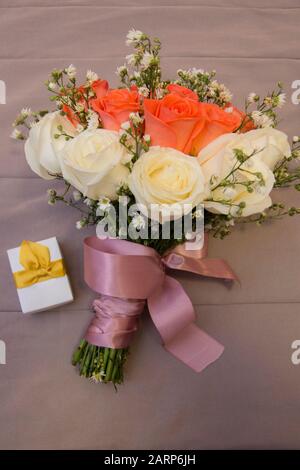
point(174, 121)
point(182, 91)
point(182, 122)
point(218, 122)
point(248, 124)
point(115, 106)
point(100, 88)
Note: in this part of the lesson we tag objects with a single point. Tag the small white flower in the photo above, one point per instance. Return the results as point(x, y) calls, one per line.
point(91, 76)
point(125, 125)
point(136, 119)
point(26, 112)
point(79, 224)
point(196, 71)
point(295, 138)
point(76, 195)
point(225, 94)
point(252, 97)
point(160, 93)
point(281, 99)
point(52, 86)
point(138, 222)
point(96, 378)
point(131, 59)
point(103, 205)
point(16, 134)
point(122, 70)
point(134, 36)
point(220, 90)
point(71, 71)
point(261, 120)
point(93, 120)
point(268, 100)
point(147, 60)
point(147, 138)
point(198, 214)
point(143, 91)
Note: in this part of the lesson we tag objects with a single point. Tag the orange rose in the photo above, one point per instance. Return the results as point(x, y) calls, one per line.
point(174, 121)
point(115, 106)
point(218, 122)
point(100, 88)
point(248, 124)
point(182, 91)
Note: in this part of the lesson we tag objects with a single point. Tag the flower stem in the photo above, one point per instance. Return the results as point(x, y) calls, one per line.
point(99, 363)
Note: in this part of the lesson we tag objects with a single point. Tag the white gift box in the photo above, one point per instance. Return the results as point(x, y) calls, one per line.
point(47, 294)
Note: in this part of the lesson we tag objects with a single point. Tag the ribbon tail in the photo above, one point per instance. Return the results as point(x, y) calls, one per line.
point(208, 267)
point(174, 317)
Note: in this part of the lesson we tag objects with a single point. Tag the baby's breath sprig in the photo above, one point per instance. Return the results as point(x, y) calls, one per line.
point(219, 225)
point(223, 191)
point(62, 133)
point(276, 211)
point(287, 171)
point(24, 121)
point(132, 137)
point(265, 113)
point(205, 85)
point(87, 207)
point(143, 66)
point(70, 98)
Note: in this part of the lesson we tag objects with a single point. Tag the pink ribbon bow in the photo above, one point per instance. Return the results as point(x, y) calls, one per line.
point(127, 275)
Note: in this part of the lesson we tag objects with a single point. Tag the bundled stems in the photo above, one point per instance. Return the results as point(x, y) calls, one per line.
point(100, 364)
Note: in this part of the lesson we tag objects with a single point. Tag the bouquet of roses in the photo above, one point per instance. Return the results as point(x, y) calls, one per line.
point(153, 164)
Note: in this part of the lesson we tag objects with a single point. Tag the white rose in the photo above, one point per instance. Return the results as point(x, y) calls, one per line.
point(273, 144)
point(168, 179)
point(41, 148)
point(218, 159)
point(93, 163)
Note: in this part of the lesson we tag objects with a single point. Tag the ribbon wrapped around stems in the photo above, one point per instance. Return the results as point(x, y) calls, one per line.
point(127, 275)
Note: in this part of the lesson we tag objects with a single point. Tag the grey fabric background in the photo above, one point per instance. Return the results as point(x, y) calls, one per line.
point(250, 397)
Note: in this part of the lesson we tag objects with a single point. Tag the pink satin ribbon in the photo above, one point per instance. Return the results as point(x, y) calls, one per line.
point(127, 275)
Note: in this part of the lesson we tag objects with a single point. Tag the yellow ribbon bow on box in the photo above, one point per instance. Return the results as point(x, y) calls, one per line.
point(35, 258)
